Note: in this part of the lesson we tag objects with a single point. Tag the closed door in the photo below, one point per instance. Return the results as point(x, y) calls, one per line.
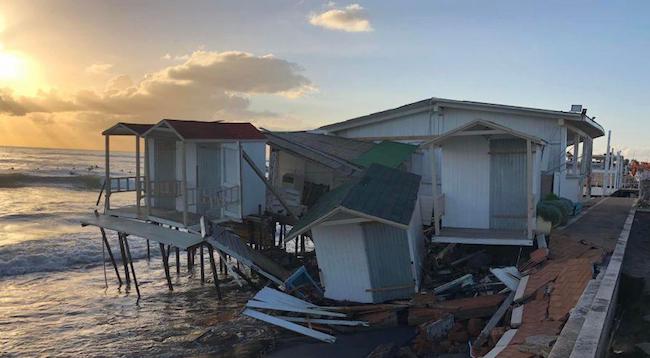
point(508, 196)
point(165, 186)
point(208, 179)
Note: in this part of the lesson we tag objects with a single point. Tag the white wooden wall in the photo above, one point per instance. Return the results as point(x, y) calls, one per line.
point(465, 177)
point(342, 261)
point(416, 244)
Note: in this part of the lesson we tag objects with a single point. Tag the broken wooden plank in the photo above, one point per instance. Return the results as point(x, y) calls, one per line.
point(287, 308)
point(290, 326)
point(270, 295)
point(501, 344)
point(517, 316)
point(333, 322)
point(494, 320)
point(505, 275)
point(521, 289)
point(459, 282)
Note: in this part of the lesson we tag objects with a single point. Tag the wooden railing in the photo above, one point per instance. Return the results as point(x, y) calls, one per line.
point(165, 188)
point(207, 198)
point(125, 184)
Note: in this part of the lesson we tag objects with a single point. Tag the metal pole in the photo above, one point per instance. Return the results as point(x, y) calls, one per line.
point(110, 254)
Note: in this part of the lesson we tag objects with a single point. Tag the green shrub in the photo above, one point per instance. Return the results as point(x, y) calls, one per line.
point(550, 213)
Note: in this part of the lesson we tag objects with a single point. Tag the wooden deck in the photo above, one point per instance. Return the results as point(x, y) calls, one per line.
point(482, 237)
point(163, 216)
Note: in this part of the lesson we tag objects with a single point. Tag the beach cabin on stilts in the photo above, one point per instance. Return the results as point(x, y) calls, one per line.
point(195, 173)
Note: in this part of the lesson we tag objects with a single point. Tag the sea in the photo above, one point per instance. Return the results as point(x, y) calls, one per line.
point(58, 293)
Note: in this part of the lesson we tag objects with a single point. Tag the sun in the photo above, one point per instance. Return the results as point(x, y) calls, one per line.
point(17, 71)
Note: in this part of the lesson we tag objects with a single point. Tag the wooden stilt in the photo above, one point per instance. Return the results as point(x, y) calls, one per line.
point(148, 251)
point(221, 264)
point(124, 262)
point(295, 252)
point(110, 254)
point(202, 267)
point(165, 260)
point(214, 270)
point(128, 255)
point(225, 266)
point(189, 260)
point(302, 244)
point(178, 260)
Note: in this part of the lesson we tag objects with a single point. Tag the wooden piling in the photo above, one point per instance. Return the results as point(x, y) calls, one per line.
point(165, 260)
point(178, 261)
point(110, 254)
point(148, 251)
point(214, 270)
point(128, 254)
point(124, 262)
point(202, 267)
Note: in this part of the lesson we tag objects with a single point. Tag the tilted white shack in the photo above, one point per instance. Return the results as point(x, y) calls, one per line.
point(368, 237)
point(491, 165)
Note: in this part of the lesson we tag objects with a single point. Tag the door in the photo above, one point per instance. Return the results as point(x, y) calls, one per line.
point(165, 186)
point(508, 194)
point(231, 180)
point(208, 179)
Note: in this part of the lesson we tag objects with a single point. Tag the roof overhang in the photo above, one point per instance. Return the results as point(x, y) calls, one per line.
point(122, 128)
point(483, 128)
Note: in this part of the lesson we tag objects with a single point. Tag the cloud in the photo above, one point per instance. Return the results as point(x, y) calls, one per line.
point(205, 85)
point(351, 18)
point(99, 68)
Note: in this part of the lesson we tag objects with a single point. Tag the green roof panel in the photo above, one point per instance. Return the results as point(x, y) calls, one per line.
point(387, 153)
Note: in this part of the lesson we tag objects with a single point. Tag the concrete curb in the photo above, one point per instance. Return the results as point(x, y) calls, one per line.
point(593, 339)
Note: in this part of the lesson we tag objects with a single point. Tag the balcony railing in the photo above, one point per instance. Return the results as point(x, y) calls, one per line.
point(208, 199)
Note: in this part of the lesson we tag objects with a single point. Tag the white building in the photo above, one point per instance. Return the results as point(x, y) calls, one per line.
point(492, 163)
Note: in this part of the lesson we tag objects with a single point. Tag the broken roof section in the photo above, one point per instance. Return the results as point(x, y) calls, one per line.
point(387, 153)
point(216, 130)
point(341, 153)
point(383, 194)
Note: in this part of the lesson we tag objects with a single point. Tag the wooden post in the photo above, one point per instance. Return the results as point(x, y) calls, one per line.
point(107, 179)
point(178, 261)
point(124, 262)
point(434, 191)
point(147, 175)
point(148, 251)
point(138, 194)
point(529, 182)
point(110, 254)
point(165, 261)
point(576, 145)
point(128, 254)
point(202, 267)
point(214, 270)
point(184, 182)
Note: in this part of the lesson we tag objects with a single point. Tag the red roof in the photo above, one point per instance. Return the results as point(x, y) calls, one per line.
point(122, 128)
point(214, 130)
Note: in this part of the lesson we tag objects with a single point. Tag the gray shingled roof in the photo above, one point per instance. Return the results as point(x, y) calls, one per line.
point(381, 192)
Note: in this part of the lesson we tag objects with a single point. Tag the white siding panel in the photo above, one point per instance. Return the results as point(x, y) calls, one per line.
point(465, 177)
point(342, 261)
point(418, 124)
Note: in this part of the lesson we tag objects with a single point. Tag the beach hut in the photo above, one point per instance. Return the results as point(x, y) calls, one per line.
point(192, 169)
point(304, 165)
point(368, 237)
point(470, 152)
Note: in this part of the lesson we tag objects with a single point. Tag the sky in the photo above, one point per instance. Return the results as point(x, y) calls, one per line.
point(69, 69)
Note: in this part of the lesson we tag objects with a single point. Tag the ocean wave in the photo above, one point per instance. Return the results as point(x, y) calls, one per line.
point(62, 253)
point(15, 180)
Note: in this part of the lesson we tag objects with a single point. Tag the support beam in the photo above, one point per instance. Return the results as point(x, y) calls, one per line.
point(148, 251)
point(529, 186)
point(202, 265)
point(576, 146)
point(138, 193)
point(213, 267)
point(110, 254)
point(262, 177)
point(184, 181)
point(165, 261)
point(178, 261)
point(107, 177)
point(124, 259)
point(147, 175)
point(128, 255)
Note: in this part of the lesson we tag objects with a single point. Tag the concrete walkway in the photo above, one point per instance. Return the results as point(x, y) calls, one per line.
point(599, 227)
